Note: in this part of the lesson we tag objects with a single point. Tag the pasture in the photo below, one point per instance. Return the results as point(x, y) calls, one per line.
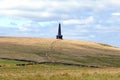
point(52, 50)
point(9, 71)
point(15, 52)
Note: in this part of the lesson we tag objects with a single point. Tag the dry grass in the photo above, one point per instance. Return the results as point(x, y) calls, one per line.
point(40, 50)
point(56, 72)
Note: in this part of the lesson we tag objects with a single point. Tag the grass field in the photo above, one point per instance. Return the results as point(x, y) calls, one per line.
point(14, 52)
point(52, 50)
point(55, 72)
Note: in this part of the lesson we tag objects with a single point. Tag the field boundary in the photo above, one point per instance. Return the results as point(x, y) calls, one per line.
point(70, 64)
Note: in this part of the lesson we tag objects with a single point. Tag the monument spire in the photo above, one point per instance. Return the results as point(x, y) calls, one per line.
point(59, 36)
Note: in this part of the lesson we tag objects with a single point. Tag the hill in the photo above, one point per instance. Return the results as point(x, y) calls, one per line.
point(65, 51)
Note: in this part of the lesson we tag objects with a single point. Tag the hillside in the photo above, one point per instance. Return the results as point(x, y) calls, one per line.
point(52, 50)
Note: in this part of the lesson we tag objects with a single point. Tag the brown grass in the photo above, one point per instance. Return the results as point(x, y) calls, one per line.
point(71, 51)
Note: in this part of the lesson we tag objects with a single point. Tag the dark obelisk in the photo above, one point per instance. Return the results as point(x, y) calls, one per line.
point(59, 36)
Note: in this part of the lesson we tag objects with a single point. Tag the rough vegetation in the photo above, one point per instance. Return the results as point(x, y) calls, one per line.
point(54, 72)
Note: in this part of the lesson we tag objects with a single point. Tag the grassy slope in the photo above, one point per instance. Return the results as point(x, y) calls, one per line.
point(41, 50)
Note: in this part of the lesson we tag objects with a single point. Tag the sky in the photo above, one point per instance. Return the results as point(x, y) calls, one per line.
point(89, 20)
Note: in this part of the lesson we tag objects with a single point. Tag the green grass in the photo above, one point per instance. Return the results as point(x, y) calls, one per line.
point(10, 62)
point(106, 60)
point(97, 60)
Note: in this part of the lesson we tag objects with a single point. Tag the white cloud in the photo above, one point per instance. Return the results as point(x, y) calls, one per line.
point(24, 27)
point(107, 29)
point(92, 36)
point(88, 20)
point(114, 2)
point(29, 27)
point(116, 14)
point(42, 10)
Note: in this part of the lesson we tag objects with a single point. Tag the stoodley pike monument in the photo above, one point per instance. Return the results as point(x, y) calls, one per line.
point(59, 35)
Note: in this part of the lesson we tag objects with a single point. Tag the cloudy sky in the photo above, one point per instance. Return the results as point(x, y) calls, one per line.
point(91, 20)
